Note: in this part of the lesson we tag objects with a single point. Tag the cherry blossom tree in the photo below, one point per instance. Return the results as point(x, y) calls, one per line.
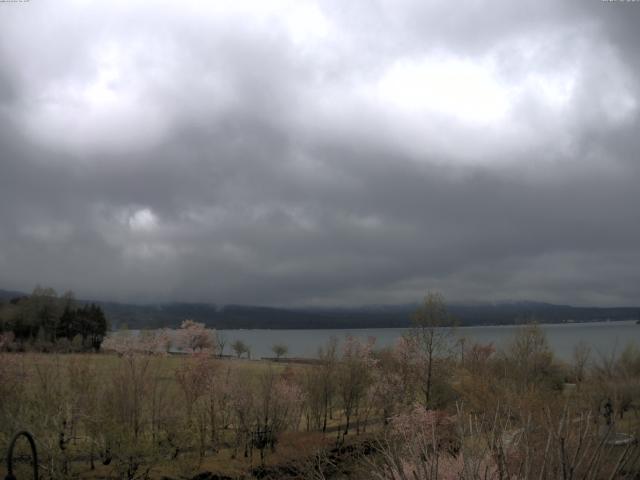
point(195, 337)
point(148, 342)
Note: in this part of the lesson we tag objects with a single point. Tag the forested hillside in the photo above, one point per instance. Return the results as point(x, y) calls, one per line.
point(239, 316)
point(381, 316)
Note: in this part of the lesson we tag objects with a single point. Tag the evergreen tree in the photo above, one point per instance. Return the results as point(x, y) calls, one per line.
point(67, 324)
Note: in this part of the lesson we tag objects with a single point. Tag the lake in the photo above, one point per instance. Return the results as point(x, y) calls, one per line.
point(603, 337)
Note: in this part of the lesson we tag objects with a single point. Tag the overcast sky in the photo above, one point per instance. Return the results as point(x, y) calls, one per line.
point(321, 152)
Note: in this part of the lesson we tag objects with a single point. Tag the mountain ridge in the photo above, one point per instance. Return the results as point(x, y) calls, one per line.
point(234, 316)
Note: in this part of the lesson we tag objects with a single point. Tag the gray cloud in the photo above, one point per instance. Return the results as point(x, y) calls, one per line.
point(321, 152)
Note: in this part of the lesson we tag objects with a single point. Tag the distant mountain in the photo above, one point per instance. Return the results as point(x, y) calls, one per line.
point(9, 294)
point(368, 316)
point(243, 316)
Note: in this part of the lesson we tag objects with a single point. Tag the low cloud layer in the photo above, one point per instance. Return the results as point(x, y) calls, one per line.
point(303, 152)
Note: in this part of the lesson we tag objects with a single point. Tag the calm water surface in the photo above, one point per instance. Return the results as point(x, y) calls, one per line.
point(603, 337)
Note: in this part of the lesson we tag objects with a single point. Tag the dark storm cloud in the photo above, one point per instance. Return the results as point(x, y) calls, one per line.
point(302, 152)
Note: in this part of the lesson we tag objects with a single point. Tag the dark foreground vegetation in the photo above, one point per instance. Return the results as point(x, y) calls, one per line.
point(431, 407)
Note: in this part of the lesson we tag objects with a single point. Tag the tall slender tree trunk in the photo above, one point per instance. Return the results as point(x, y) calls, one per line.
point(326, 411)
point(347, 412)
point(429, 374)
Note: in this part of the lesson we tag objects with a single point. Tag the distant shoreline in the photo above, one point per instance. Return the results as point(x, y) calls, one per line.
point(504, 325)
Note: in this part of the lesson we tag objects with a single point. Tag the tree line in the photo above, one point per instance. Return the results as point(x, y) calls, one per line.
point(44, 321)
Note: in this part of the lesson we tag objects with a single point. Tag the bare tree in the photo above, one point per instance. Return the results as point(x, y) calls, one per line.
point(280, 349)
point(581, 354)
point(319, 384)
point(529, 357)
point(240, 348)
point(354, 376)
point(221, 342)
point(431, 336)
